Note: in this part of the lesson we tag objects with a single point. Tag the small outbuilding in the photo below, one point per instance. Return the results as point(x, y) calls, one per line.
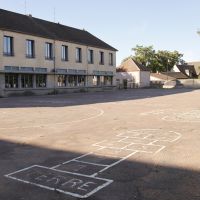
point(131, 74)
point(186, 69)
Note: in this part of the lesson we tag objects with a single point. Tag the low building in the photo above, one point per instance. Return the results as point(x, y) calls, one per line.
point(196, 65)
point(160, 78)
point(40, 57)
point(166, 79)
point(186, 69)
point(130, 74)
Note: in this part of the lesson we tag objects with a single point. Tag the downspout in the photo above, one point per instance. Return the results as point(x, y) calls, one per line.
point(54, 64)
point(87, 67)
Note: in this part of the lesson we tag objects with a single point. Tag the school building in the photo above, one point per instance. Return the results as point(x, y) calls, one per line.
point(42, 57)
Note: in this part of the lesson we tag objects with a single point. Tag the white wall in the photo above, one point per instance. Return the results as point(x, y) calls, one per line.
point(140, 79)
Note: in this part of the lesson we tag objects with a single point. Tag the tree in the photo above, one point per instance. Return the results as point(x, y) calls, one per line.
point(168, 59)
point(160, 61)
point(144, 55)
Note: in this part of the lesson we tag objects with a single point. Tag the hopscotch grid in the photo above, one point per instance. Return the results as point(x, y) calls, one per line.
point(125, 148)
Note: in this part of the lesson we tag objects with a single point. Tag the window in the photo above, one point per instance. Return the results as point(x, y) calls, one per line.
point(11, 80)
point(48, 51)
point(41, 80)
point(78, 55)
point(96, 81)
point(30, 48)
point(108, 80)
point(27, 80)
point(81, 80)
point(62, 80)
point(8, 48)
point(110, 59)
point(64, 53)
point(72, 80)
point(101, 62)
point(90, 56)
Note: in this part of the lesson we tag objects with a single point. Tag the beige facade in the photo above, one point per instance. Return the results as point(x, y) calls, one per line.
point(132, 75)
point(55, 66)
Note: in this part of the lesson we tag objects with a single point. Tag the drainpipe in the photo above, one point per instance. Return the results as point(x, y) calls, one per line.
point(87, 65)
point(54, 64)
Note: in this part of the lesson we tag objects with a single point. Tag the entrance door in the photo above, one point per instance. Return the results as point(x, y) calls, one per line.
point(125, 83)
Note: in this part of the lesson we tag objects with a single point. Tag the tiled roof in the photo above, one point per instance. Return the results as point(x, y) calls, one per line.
point(25, 24)
point(176, 75)
point(190, 68)
point(196, 66)
point(169, 75)
point(131, 65)
point(161, 76)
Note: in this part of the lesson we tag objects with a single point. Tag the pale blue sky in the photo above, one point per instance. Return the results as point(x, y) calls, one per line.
point(168, 25)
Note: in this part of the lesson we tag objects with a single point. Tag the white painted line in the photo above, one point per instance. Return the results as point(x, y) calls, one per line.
point(98, 188)
point(160, 150)
point(101, 112)
point(147, 136)
point(115, 163)
point(179, 136)
point(42, 186)
point(56, 166)
point(90, 163)
point(96, 144)
point(21, 170)
point(62, 191)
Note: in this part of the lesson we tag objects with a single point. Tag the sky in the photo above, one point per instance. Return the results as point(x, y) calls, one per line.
point(165, 24)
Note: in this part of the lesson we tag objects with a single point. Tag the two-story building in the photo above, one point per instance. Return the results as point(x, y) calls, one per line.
point(41, 57)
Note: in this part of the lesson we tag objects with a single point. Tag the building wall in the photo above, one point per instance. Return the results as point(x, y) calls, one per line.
point(19, 58)
point(144, 79)
point(152, 78)
point(135, 79)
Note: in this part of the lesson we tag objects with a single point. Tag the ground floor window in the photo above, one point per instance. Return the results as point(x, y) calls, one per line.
point(26, 80)
point(81, 80)
point(41, 80)
point(62, 80)
point(72, 80)
point(108, 80)
point(11, 80)
point(96, 80)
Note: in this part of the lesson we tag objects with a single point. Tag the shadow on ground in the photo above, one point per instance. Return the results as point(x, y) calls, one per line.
point(86, 98)
point(132, 179)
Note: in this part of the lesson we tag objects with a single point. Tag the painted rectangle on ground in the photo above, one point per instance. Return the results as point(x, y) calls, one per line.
point(80, 167)
point(112, 144)
point(137, 140)
point(145, 148)
point(76, 185)
point(106, 156)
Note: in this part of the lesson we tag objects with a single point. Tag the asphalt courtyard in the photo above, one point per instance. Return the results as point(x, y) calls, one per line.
point(141, 144)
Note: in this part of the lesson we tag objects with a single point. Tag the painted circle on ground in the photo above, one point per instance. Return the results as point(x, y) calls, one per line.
point(20, 118)
point(189, 116)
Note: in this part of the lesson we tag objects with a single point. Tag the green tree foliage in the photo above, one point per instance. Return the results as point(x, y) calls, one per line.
point(161, 60)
